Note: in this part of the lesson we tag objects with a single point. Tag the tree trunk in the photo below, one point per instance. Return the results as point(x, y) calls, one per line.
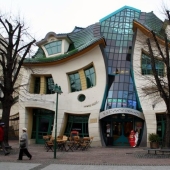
point(6, 107)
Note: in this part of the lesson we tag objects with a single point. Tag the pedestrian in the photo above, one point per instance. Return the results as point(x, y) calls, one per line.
point(24, 145)
point(2, 125)
point(108, 134)
point(136, 137)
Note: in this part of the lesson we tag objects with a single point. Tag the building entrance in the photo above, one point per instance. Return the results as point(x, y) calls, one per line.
point(119, 129)
point(42, 124)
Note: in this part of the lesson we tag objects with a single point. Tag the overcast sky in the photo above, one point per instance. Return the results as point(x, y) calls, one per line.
point(61, 16)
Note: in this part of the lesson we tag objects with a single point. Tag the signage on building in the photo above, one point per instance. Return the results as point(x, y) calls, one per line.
point(90, 105)
point(121, 110)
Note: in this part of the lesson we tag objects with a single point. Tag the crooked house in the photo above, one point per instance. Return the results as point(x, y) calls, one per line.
point(99, 69)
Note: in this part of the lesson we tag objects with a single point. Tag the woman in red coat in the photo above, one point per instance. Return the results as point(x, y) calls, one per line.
point(2, 125)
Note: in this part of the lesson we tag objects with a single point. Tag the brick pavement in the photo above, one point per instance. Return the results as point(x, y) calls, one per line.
point(93, 156)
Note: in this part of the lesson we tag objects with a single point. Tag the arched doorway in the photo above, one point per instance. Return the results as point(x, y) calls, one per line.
point(120, 126)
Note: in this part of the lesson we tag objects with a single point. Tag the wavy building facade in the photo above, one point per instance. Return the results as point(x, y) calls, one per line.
point(98, 69)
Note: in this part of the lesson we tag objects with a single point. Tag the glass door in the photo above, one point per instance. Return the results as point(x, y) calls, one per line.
point(43, 128)
point(121, 131)
point(42, 124)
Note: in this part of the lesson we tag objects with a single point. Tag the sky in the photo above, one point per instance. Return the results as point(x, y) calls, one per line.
point(61, 16)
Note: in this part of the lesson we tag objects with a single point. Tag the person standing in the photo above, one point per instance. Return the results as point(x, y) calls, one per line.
point(2, 125)
point(24, 149)
point(108, 134)
point(136, 137)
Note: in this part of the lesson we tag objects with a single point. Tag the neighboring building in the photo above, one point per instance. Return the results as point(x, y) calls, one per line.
point(95, 67)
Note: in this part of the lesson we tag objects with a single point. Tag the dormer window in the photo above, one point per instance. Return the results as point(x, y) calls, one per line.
point(53, 47)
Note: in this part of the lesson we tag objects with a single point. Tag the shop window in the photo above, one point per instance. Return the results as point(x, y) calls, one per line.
point(147, 68)
point(42, 124)
point(53, 47)
point(77, 123)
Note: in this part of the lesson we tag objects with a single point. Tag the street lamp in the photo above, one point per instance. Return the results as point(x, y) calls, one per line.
point(57, 90)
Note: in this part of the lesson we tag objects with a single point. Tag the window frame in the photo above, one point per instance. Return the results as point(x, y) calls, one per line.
point(54, 47)
point(146, 68)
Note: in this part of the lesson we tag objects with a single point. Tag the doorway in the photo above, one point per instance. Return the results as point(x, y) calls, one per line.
point(42, 124)
point(120, 127)
point(121, 131)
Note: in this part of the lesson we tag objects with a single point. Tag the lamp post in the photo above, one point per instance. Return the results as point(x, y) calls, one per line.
point(57, 90)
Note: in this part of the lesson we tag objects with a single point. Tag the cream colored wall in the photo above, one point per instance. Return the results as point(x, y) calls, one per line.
point(65, 46)
point(141, 81)
point(68, 102)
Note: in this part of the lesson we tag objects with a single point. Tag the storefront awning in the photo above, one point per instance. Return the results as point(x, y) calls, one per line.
point(120, 111)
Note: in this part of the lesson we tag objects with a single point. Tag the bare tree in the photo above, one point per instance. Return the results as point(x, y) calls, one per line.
point(158, 49)
point(15, 45)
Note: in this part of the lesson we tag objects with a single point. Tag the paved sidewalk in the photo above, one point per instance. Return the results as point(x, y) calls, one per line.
point(26, 166)
point(101, 156)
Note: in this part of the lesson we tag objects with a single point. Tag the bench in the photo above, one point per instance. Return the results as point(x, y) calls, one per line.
point(149, 150)
point(163, 150)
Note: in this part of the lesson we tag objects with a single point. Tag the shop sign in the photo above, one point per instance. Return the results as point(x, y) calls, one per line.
point(121, 110)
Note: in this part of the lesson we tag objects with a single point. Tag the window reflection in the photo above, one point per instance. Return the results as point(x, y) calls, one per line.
point(53, 47)
point(75, 83)
point(119, 51)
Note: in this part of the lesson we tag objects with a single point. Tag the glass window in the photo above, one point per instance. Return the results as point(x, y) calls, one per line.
point(37, 85)
point(127, 79)
point(114, 36)
point(120, 94)
point(49, 85)
point(78, 123)
point(126, 86)
point(110, 94)
point(90, 77)
point(121, 86)
point(81, 97)
point(53, 47)
point(106, 29)
point(75, 83)
point(116, 85)
point(147, 68)
point(115, 93)
point(122, 34)
point(121, 78)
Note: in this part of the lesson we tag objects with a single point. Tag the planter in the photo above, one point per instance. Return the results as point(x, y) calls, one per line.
point(154, 145)
point(154, 140)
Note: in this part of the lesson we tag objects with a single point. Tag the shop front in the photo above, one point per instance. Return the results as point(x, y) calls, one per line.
point(42, 124)
point(116, 125)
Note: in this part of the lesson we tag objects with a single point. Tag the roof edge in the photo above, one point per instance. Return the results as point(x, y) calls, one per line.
point(147, 32)
point(115, 12)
